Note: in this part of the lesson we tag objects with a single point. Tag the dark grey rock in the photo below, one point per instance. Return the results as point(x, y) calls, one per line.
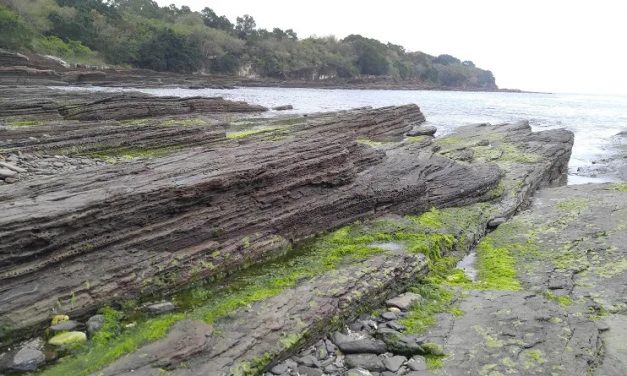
point(280, 368)
point(395, 325)
point(331, 348)
point(28, 359)
point(354, 344)
point(370, 362)
point(331, 368)
point(389, 315)
point(94, 324)
point(309, 361)
point(283, 108)
point(394, 363)
point(496, 222)
point(309, 371)
point(403, 344)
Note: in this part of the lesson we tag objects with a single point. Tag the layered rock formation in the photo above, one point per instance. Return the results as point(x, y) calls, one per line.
point(181, 193)
point(103, 106)
point(251, 353)
point(157, 219)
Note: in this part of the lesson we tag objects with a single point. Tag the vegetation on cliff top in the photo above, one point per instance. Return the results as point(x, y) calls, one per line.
point(140, 33)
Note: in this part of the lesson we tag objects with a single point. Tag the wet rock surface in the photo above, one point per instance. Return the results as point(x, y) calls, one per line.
point(83, 226)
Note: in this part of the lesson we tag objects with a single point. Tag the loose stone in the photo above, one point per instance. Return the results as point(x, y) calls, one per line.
point(369, 362)
point(94, 324)
point(404, 301)
point(394, 363)
point(28, 359)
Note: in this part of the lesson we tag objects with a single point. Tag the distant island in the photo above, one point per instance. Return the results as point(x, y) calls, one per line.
point(139, 34)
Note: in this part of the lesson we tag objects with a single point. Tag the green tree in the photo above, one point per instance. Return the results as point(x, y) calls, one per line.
point(212, 20)
point(167, 51)
point(371, 55)
point(13, 33)
point(245, 27)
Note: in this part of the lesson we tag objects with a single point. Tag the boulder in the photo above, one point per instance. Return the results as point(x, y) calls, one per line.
point(28, 359)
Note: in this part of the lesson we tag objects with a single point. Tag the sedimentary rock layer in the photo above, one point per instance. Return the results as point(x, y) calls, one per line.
point(75, 241)
point(240, 347)
point(102, 106)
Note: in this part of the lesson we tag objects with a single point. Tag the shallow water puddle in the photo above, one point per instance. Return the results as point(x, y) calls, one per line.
point(467, 264)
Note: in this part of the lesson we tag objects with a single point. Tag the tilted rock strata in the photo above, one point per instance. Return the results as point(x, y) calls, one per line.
point(96, 234)
point(271, 328)
point(241, 346)
point(119, 230)
point(73, 106)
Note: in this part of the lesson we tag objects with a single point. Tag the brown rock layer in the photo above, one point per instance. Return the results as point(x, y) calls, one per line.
point(76, 241)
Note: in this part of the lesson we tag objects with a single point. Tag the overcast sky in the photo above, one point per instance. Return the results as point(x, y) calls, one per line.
point(546, 45)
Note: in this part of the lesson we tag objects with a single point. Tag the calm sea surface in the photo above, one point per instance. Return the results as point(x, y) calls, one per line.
point(595, 119)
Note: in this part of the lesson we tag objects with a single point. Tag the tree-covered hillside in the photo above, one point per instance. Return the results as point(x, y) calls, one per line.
point(141, 34)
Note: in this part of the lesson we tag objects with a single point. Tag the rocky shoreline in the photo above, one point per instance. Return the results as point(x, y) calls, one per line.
point(148, 235)
point(18, 69)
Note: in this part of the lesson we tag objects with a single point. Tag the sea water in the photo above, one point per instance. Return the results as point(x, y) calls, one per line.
point(595, 119)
